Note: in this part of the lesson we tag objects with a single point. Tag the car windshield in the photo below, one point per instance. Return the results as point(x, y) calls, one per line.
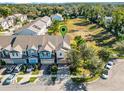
point(109, 64)
point(8, 69)
point(106, 72)
point(10, 77)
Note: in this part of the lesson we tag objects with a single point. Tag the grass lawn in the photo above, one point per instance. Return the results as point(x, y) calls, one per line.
point(90, 32)
point(93, 79)
point(21, 73)
point(81, 27)
point(19, 79)
point(36, 72)
point(0, 78)
point(32, 79)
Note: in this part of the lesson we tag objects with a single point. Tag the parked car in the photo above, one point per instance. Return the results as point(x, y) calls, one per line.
point(105, 74)
point(17, 68)
point(9, 80)
point(9, 70)
point(109, 65)
point(47, 70)
point(29, 68)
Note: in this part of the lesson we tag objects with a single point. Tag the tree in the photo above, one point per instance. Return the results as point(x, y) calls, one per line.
point(53, 71)
point(84, 58)
point(117, 24)
point(5, 11)
point(86, 52)
point(79, 40)
point(119, 46)
point(104, 54)
point(73, 57)
point(54, 29)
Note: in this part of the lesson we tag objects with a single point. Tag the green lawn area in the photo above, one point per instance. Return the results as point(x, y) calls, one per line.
point(36, 72)
point(32, 79)
point(93, 79)
point(80, 26)
point(90, 32)
point(21, 73)
point(19, 79)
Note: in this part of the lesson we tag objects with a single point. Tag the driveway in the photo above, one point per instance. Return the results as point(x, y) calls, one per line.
point(115, 81)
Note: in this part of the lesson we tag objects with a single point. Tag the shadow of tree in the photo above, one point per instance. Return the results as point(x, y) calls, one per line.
point(82, 23)
point(71, 86)
point(73, 31)
point(104, 39)
point(93, 27)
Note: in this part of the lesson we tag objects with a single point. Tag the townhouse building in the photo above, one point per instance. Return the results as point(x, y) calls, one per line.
point(33, 49)
point(21, 17)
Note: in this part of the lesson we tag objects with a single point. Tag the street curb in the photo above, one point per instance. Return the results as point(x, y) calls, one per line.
point(93, 81)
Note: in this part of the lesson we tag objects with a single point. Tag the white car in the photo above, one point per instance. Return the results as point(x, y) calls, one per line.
point(105, 74)
point(9, 79)
point(109, 65)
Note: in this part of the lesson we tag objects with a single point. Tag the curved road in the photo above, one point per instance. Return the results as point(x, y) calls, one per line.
point(115, 82)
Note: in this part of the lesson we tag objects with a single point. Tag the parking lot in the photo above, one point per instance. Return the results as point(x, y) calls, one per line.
point(115, 82)
point(42, 83)
point(19, 74)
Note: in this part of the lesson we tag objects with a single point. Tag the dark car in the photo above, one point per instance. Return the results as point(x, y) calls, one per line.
point(9, 80)
point(29, 68)
point(17, 68)
point(47, 70)
point(9, 70)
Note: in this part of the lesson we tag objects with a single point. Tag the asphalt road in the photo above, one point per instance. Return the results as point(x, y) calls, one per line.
point(115, 82)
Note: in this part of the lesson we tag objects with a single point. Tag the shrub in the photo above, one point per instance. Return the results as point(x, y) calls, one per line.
point(19, 79)
point(32, 79)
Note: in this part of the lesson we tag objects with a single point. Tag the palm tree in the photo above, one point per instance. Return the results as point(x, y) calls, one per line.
point(79, 40)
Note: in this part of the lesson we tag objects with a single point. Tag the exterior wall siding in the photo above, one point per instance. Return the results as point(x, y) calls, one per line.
point(19, 61)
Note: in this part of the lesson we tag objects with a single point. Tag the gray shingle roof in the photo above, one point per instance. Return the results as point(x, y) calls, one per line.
point(36, 25)
point(26, 42)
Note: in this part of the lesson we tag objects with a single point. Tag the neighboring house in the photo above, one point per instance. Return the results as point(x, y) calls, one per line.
point(57, 17)
point(21, 17)
point(47, 20)
point(38, 27)
point(33, 49)
point(11, 20)
point(107, 20)
point(4, 24)
point(7, 23)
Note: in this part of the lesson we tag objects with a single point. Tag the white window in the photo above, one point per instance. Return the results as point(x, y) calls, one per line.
point(60, 54)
